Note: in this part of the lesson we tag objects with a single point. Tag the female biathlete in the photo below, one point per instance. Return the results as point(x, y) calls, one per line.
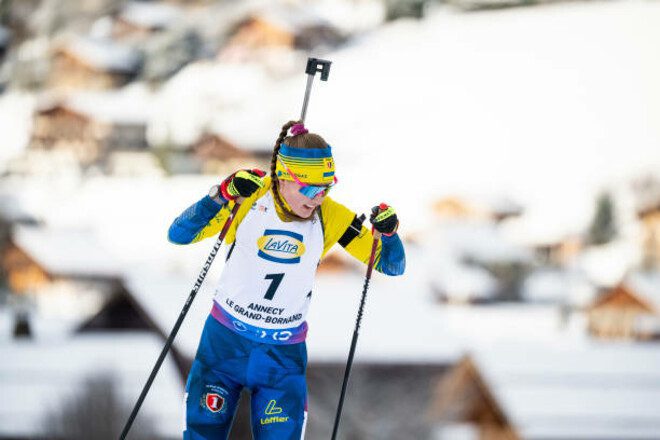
point(255, 334)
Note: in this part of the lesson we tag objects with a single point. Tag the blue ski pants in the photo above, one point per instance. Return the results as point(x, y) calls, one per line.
point(225, 363)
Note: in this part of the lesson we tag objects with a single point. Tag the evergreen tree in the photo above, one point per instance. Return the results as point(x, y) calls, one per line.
point(603, 225)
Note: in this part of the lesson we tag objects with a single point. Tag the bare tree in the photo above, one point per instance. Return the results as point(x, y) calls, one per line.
point(96, 412)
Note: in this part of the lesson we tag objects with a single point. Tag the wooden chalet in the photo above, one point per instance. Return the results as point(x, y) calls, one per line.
point(89, 126)
point(464, 402)
point(461, 208)
point(39, 261)
point(650, 218)
point(86, 63)
point(217, 154)
point(65, 267)
point(550, 392)
point(630, 310)
point(280, 26)
point(138, 20)
point(59, 127)
point(452, 208)
point(121, 312)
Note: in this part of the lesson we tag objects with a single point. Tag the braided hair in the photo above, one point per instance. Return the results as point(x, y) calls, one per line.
point(303, 140)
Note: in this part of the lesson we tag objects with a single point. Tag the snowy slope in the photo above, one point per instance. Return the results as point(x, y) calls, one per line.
point(547, 104)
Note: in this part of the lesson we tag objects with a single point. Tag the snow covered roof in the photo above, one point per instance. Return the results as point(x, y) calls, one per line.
point(37, 378)
point(105, 55)
point(399, 323)
point(558, 287)
point(460, 282)
point(566, 392)
point(150, 15)
point(16, 119)
point(291, 17)
point(204, 95)
point(66, 252)
point(606, 265)
point(131, 105)
point(250, 130)
point(11, 211)
point(162, 296)
point(475, 240)
point(350, 16)
point(647, 285)
point(533, 229)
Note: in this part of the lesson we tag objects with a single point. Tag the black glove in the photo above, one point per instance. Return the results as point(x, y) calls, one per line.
point(242, 183)
point(384, 219)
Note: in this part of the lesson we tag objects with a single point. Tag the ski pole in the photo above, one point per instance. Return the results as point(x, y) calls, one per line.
point(351, 352)
point(313, 65)
point(179, 321)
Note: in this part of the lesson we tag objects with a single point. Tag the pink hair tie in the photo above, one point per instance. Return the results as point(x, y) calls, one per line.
point(298, 129)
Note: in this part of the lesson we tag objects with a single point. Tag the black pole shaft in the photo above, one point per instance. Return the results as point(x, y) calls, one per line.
point(179, 321)
point(351, 353)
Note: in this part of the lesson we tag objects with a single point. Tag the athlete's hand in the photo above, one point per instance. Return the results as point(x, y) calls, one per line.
point(243, 183)
point(384, 219)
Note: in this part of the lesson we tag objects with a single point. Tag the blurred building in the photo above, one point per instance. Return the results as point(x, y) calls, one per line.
point(650, 218)
point(280, 26)
point(144, 19)
point(465, 407)
point(471, 208)
point(37, 259)
point(217, 154)
point(551, 393)
point(87, 383)
point(630, 310)
point(92, 125)
point(66, 276)
point(86, 63)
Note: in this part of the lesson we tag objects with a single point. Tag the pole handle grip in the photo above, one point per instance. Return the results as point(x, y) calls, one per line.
point(315, 65)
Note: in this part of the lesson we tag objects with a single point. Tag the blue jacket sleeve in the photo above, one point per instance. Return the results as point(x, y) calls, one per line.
point(392, 256)
point(186, 226)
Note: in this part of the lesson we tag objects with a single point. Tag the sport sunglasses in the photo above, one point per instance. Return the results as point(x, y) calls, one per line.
point(307, 190)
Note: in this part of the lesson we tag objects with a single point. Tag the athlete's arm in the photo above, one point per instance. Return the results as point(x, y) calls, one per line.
point(342, 226)
point(207, 217)
point(193, 220)
point(392, 259)
point(384, 220)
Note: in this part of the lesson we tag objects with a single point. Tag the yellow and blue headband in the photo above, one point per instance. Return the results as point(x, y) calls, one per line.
point(310, 165)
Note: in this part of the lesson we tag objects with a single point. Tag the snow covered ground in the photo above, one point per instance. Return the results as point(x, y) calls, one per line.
point(546, 104)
